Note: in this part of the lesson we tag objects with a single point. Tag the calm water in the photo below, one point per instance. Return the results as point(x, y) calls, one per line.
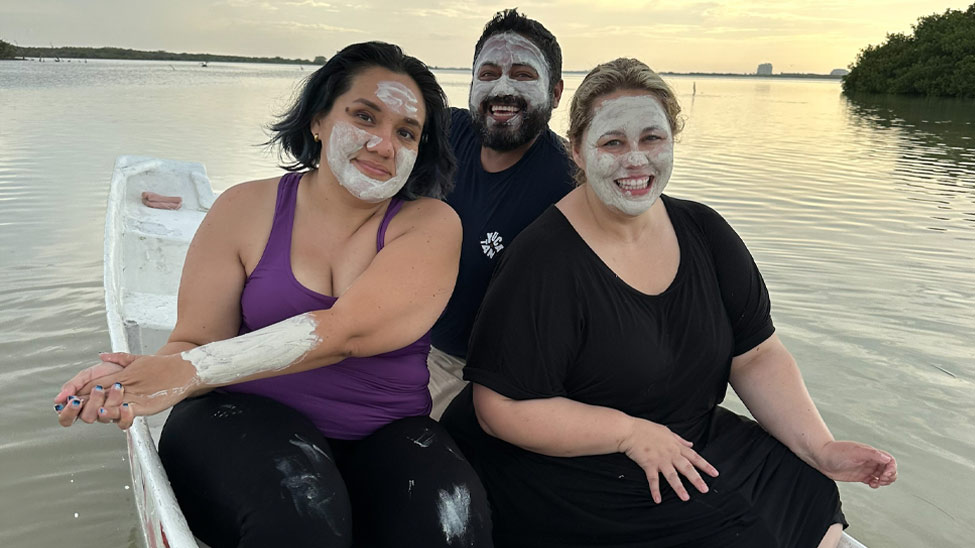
point(861, 215)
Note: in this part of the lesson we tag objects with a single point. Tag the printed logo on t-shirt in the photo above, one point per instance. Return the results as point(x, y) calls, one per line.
point(492, 244)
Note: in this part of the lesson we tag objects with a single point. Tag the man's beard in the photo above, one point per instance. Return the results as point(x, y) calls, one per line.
point(504, 137)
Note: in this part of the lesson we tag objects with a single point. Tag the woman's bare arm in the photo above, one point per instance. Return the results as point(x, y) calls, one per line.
point(562, 427)
point(390, 305)
point(768, 381)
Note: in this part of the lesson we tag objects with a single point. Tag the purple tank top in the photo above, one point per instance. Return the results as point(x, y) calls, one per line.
point(347, 400)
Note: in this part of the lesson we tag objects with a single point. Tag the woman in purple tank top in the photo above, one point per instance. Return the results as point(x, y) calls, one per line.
point(297, 366)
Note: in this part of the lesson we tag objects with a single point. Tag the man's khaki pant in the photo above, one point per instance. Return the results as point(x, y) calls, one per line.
point(446, 379)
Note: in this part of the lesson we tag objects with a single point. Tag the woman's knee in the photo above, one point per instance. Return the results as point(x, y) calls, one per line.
point(419, 438)
point(418, 482)
point(309, 513)
point(249, 471)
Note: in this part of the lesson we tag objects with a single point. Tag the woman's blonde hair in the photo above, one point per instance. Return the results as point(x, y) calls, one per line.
point(618, 74)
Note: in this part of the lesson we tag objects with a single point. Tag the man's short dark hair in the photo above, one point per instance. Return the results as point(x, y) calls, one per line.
point(512, 21)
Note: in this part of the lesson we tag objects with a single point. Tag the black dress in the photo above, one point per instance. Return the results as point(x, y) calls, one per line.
point(556, 321)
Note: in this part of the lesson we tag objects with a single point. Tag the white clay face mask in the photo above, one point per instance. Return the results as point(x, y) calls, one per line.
point(398, 98)
point(626, 170)
point(344, 144)
point(503, 51)
point(269, 349)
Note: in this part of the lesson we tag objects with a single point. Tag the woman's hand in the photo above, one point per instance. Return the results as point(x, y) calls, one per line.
point(146, 385)
point(72, 402)
point(111, 363)
point(661, 452)
point(94, 406)
point(856, 462)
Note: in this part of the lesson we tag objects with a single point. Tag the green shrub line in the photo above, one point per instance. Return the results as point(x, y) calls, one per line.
point(7, 50)
point(938, 59)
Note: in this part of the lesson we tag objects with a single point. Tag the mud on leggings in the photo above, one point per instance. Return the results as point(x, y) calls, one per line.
point(251, 472)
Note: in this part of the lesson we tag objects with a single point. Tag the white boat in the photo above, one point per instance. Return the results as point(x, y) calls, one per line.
point(144, 253)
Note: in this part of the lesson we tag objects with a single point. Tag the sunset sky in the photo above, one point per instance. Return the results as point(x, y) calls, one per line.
point(702, 36)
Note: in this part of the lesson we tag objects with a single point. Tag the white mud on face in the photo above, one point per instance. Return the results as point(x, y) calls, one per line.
point(503, 51)
point(625, 119)
point(344, 145)
point(397, 97)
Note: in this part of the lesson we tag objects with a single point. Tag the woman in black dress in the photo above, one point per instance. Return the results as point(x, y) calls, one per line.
point(604, 345)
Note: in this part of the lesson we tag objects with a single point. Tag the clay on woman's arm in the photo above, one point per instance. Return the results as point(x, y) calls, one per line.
point(271, 348)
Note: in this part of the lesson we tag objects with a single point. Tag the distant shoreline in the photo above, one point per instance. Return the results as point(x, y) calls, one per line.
point(747, 75)
point(27, 53)
point(701, 74)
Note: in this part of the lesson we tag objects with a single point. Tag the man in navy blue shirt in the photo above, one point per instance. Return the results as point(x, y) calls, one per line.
point(510, 168)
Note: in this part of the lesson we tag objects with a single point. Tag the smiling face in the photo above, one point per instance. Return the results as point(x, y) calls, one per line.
point(510, 98)
point(627, 152)
point(371, 135)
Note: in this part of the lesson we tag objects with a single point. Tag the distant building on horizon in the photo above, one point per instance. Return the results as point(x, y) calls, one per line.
point(765, 69)
point(839, 72)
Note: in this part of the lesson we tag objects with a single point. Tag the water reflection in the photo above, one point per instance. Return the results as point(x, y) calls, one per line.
point(947, 118)
point(942, 126)
point(935, 156)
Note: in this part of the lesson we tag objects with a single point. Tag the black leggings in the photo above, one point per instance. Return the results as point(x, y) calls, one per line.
point(251, 472)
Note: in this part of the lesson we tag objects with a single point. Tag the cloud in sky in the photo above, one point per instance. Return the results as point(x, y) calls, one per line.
point(704, 35)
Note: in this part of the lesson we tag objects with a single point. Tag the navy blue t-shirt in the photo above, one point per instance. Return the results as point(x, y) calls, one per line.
point(493, 208)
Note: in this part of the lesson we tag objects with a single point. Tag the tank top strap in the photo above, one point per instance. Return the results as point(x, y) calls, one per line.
point(278, 248)
point(394, 206)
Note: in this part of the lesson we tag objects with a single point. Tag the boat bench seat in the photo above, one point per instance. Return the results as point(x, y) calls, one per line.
point(179, 225)
point(148, 319)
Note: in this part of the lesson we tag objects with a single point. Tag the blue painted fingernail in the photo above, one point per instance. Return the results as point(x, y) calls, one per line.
point(98, 387)
point(58, 407)
point(117, 386)
point(125, 405)
point(101, 410)
point(76, 402)
point(70, 398)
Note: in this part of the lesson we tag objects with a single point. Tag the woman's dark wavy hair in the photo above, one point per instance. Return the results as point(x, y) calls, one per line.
point(433, 171)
